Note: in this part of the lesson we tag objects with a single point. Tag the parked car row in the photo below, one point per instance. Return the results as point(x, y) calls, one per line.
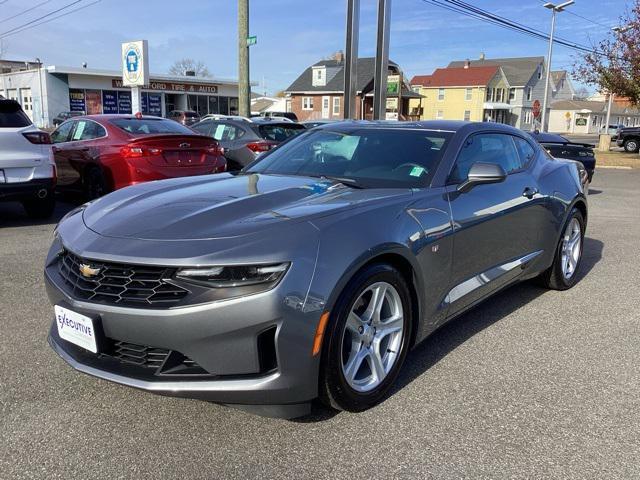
point(97, 154)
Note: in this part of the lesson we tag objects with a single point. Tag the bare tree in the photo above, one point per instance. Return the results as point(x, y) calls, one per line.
point(614, 65)
point(180, 67)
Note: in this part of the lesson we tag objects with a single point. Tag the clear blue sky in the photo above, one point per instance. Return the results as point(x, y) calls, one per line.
point(292, 34)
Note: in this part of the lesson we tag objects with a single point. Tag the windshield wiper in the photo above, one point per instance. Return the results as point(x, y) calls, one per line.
point(349, 182)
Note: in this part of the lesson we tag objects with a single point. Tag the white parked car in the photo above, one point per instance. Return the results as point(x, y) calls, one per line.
point(27, 168)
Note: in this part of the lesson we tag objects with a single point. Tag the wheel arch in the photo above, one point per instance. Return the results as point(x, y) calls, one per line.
point(399, 258)
point(104, 170)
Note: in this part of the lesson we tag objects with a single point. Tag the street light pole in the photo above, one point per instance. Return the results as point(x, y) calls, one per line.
point(351, 59)
point(554, 9)
point(617, 30)
point(41, 94)
point(244, 90)
point(382, 60)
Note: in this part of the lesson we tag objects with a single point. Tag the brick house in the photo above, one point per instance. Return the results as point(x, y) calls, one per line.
point(318, 92)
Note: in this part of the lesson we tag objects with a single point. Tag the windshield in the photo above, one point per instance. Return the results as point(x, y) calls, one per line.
point(372, 157)
point(150, 126)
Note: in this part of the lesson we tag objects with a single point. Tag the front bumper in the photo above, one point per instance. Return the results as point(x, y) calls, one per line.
point(221, 337)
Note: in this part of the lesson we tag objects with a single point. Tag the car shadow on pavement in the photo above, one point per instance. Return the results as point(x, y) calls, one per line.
point(456, 332)
point(593, 191)
point(13, 215)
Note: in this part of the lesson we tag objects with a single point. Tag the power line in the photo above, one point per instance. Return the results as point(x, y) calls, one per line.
point(3, 34)
point(570, 12)
point(519, 26)
point(50, 19)
point(24, 11)
point(479, 14)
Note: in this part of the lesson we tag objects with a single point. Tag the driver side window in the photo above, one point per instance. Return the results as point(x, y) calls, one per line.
point(486, 148)
point(62, 132)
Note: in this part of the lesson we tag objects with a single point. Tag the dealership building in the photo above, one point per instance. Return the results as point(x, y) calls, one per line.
point(44, 92)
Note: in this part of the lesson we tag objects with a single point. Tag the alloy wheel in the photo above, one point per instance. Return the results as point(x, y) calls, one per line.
point(372, 337)
point(571, 248)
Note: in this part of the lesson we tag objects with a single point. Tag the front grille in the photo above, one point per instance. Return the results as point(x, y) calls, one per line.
point(159, 360)
point(120, 284)
point(139, 354)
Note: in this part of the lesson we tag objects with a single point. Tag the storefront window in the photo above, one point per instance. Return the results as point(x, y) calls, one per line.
point(224, 105)
point(233, 106)
point(213, 105)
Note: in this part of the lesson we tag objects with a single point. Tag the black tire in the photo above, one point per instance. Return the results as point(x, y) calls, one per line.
point(554, 277)
point(40, 208)
point(335, 391)
point(233, 166)
point(94, 184)
point(631, 145)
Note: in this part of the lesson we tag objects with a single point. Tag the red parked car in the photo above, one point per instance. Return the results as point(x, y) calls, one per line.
point(96, 154)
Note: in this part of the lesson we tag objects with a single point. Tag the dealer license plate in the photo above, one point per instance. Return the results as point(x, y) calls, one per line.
point(76, 328)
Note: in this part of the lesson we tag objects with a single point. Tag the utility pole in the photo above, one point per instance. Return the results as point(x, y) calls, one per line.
point(351, 59)
point(382, 60)
point(554, 9)
point(244, 89)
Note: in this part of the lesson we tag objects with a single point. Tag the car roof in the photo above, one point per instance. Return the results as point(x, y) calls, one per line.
point(114, 116)
point(451, 126)
point(271, 121)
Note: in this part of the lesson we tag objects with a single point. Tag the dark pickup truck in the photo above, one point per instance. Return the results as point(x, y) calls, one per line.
point(629, 139)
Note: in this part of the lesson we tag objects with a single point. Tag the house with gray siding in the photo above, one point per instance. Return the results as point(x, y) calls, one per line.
point(525, 76)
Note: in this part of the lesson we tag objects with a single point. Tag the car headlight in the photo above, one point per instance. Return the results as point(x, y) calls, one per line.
point(245, 278)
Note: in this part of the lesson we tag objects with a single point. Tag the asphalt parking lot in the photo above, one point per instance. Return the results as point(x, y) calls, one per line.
point(533, 383)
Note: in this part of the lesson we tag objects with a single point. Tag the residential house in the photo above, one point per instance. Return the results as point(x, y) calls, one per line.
point(318, 92)
point(525, 77)
point(463, 93)
point(267, 104)
point(587, 116)
point(561, 86)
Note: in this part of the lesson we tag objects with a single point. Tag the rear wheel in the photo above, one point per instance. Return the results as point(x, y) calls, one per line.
point(631, 145)
point(40, 208)
point(94, 184)
point(563, 273)
point(367, 339)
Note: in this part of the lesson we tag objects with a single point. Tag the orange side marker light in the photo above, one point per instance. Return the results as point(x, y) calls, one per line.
point(317, 341)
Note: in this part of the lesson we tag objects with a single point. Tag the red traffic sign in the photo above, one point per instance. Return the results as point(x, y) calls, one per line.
point(536, 108)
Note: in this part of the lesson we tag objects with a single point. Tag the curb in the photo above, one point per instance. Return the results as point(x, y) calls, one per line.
point(615, 167)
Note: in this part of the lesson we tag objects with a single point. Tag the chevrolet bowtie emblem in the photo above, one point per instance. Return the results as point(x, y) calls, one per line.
point(88, 271)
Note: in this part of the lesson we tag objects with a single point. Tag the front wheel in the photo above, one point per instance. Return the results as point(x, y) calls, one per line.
point(94, 184)
point(367, 339)
point(563, 272)
point(631, 145)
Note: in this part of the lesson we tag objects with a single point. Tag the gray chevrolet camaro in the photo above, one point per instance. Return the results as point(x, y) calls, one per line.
point(314, 270)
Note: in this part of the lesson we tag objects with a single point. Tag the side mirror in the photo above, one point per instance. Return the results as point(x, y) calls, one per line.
point(482, 173)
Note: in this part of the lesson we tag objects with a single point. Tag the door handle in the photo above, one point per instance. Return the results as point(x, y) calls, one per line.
point(84, 149)
point(530, 192)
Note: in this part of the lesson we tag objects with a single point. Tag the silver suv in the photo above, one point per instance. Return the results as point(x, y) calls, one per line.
point(27, 168)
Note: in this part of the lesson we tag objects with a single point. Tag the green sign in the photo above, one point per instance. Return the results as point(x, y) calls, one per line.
point(581, 122)
point(252, 40)
point(393, 84)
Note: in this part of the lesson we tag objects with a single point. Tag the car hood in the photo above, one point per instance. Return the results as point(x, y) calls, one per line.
point(221, 206)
